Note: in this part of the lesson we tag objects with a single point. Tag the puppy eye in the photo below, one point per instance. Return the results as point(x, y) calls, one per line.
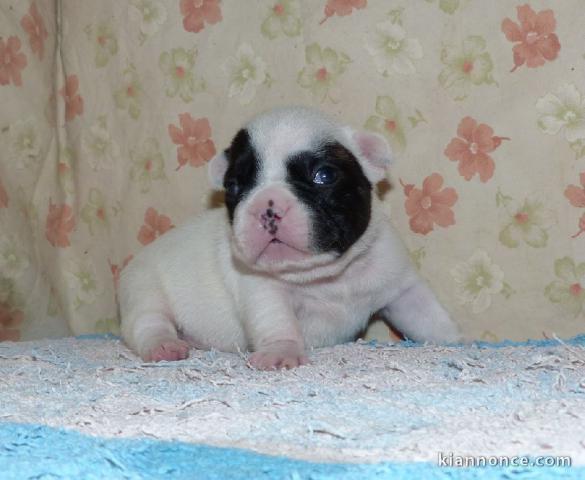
point(232, 188)
point(325, 176)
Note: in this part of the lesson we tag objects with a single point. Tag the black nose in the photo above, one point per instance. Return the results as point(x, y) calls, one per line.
point(270, 219)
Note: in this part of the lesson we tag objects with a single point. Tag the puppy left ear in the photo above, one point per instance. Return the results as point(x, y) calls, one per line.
point(216, 169)
point(372, 151)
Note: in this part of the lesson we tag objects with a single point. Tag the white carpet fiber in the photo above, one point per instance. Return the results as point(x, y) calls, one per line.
point(356, 402)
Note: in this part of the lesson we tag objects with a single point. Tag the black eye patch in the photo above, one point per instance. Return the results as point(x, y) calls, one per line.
point(241, 175)
point(332, 185)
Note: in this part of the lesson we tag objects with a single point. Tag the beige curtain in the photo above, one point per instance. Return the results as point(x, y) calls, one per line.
point(110, 110)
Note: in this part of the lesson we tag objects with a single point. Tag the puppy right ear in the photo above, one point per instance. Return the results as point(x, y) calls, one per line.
point(216, 169)
point(372, 151)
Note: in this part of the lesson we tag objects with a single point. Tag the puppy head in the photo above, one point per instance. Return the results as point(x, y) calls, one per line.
point(298, 188)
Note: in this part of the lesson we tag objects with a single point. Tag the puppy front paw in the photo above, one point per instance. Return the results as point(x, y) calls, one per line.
point(169, 350)
point(276, 361)
point(278, 356)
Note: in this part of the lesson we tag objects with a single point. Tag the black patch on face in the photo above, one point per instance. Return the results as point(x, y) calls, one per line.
point(241, 175)
point(341, 206)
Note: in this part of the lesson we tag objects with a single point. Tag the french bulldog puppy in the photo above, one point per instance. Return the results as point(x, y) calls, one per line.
point(302, 256)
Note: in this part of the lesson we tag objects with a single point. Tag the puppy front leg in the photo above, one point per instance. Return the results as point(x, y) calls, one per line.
point(417, 313)
point(273, 331)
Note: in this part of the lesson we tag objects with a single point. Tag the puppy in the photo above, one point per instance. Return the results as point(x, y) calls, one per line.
point(302, 256)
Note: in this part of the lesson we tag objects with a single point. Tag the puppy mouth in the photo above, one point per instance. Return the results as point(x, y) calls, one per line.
point(279, 255)
point(277, 251)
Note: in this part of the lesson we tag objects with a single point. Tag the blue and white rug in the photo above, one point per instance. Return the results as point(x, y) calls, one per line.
point(88, 408)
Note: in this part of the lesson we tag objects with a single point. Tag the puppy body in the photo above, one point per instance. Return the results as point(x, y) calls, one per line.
point(303, 258)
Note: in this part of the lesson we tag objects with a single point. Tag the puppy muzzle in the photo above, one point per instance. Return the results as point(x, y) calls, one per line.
point(271, 227)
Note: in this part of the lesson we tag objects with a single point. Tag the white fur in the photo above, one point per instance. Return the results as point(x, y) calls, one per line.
point(190, 283)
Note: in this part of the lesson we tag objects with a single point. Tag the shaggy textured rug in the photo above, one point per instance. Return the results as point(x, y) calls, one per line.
point(368, 410)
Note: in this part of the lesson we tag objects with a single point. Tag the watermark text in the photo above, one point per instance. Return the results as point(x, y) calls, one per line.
point(452, 460)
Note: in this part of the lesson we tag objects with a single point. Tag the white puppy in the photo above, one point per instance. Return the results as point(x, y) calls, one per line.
point(302, 257)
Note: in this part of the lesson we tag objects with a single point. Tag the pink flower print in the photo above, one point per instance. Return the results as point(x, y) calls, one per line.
point(535, 34)
point(472, 147)
point(429, 205)
point(63, 168)
point(3, 196)
point(581, 227)
point(342, 7)
point(194, 140)
point(278, 9)
point(154, 226)
point(10, 319)
point(60, 223)
point(117, 269)
point(73, 101)
point(576, 196)
point(12, 62)
point(197, 12)
point(33, 24)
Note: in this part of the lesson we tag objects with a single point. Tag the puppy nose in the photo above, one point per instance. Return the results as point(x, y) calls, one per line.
point(271, 217)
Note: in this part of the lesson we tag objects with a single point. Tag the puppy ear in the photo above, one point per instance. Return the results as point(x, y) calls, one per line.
point(216, 169)
point(372, 151)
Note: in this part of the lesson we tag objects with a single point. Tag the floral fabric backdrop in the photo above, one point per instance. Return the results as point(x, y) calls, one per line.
point(110, 111)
